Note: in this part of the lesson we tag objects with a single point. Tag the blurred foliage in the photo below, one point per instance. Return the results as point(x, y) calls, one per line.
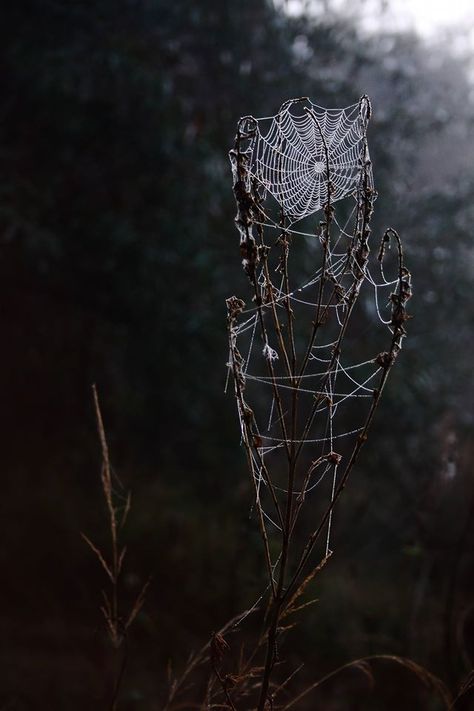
point(117, 252)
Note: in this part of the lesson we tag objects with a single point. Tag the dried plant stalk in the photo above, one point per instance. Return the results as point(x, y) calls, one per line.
point(118, 507)
point(338, 287)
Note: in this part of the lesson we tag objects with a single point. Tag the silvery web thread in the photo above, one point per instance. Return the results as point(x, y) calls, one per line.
point(289, 160)
point(383, 284)
point(345, 160)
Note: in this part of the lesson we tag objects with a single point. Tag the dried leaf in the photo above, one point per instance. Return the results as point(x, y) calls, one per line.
point(302, 607)
point(107, 603)
point(138, 604)
point(285, 683)
point(126, 511)
point(290, 607)
point(99, 556)
point(120, 559)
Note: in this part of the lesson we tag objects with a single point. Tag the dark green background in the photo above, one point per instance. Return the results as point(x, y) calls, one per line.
point(117, 251)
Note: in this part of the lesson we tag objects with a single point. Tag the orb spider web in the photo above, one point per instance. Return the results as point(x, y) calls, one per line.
point(293, 153)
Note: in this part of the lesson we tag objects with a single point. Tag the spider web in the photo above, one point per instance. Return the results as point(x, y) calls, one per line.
point(298, 163)
point(294, 154)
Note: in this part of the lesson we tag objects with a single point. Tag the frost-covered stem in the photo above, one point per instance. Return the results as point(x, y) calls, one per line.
point(251, 254)
point(275, 615)
point(359, 259)
point(285, 245)
point(233, 307)
point(271, 297)
point(386, 361)
point(271, 369)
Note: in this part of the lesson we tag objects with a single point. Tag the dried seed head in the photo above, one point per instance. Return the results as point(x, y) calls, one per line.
point(334, 457)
